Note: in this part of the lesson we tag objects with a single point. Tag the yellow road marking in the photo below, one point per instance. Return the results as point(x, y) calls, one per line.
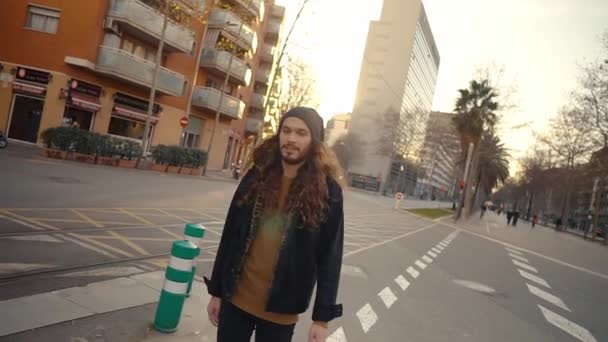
point(87, 246)
point(88, 219)
point(141, 219)
point(128, 242)
point(170, 233)
point(27, 219)
point(205, 214)
point(174, 216)
point(102, 245)
point(158, 262)
point(105, 237)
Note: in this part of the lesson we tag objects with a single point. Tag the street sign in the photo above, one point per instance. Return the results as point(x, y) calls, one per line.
point(399, 196)
point(183, 121)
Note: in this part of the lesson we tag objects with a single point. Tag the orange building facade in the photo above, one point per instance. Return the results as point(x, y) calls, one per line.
point(91, 64)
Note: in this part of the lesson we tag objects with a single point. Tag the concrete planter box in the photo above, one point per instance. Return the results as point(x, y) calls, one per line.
point(159, 167)
point(198, 171)
point(83, 158)
point(129, 164)
point(54, 153)
point(109, 161)
point(173, 169)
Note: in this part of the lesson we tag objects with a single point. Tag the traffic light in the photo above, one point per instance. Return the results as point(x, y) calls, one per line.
point(461, 184)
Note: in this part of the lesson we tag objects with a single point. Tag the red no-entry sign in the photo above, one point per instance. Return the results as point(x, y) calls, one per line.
point(399, 196)
point(183, 121)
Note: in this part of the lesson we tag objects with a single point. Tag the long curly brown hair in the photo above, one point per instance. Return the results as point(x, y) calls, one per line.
point(308, 195)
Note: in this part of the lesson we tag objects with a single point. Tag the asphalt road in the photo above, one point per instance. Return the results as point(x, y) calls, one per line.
point(404, 278)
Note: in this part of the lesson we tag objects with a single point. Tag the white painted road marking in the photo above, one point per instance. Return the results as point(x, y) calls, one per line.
point(525, 266)
point(38, 238)
point(367, 317)
point(519, 257)
point(402, 282)
point(514, 251)
point(440, 247)
point(413, 272)
point(388, 297)
point(570, 327)
point(432, 254)
point(420, 264)
point(548, 297)
point(9, 268)
point(337, 336)
point(436, 250)
point(534, 278)
point(388, 241)
point(427, 259)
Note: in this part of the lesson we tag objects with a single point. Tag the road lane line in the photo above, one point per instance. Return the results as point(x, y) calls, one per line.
point(101, 244)
point(432, 254)
point(519, 257)
point(514, 251)
point(534, 278)
point(87, 219)
point(420, 264)
point(337, 336)
point(402, 282)
point(30, 220)
point(524, 266)
point(427, 259)
point(436, 250)
point(388, 297)
point(548, 297)
point(367, 317)
point(571, 328)
point(137, 217)
point(172, 215)
point(128, 242)
point(443, 244)
point(413, 272)
point(546, 257)
point(87, 246)
point(170, 233)
point(23, 223)
point(440, 247)
point(388, 241)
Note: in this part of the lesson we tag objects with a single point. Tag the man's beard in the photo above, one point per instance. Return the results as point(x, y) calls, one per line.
point(295, 161)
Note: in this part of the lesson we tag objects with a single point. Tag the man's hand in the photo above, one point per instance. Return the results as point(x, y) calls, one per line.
point(213, 310)
point(317, 333)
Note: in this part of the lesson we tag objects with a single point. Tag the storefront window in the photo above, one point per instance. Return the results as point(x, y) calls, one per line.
point(25, 119)
point(127, 128)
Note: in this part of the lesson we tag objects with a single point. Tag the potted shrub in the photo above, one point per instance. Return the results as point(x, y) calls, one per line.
point(51, 150)
point(106, 151)
point(128, 154)
point(159, 154)
point(84, 145)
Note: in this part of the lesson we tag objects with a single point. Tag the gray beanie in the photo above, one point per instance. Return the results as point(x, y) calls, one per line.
point(312, 119)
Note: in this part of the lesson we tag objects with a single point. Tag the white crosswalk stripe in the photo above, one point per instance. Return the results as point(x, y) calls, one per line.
point(337, 336)
point(569, 327)
point(534, 278)
point(432, 254)
point(413, 272)
point(525, 266)
point(548, 297)
point(420, 264)
point(367, 317)
point(388, 297)
point(427, 259)
point(402, 282)
point(519, 257)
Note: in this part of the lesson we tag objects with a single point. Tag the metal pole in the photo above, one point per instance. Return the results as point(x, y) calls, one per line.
point(464, 190)
point(219, 105)
point(159, 53)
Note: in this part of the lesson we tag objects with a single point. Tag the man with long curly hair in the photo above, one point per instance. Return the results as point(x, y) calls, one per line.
point(283, 234)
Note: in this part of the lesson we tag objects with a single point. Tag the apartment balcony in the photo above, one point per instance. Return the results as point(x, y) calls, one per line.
point(253, 125)
point(216, 61)
point(278, 11)
point(145, 22)
point(273, 28)
point(255, 7)
point(257, 101)
point(262, 76)
point(128, 67)
point(206, 97)
point(267, 53)
point(230, 22)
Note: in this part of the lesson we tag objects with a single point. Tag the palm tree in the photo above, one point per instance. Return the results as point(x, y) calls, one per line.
point(493, 163)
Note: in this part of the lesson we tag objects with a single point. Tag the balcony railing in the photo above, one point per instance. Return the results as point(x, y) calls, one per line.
point(143, 19)
point(209, 98)
point(219, 60)
point(273, 28)
point(262, 75)
point(253, 125)
point(278, 11)
point(255, 7)
point(267, 53)
point(257, 101)
point(126, 66)
point(229, 21)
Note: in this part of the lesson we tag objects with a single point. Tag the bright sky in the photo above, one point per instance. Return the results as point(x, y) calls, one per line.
point(538, 43)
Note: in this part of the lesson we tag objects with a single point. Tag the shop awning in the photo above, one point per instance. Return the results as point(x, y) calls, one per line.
point(86, 102)
point(28, 88)
point(132, 113)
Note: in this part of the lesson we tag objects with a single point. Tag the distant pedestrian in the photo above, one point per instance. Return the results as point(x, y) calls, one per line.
point(509, 217)
point(483, 211)
point(558, 224)
point(534, 220)
point(515, 218)
point(283, 235)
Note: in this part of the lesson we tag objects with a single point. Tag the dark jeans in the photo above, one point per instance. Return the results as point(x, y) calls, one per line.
point(236, 325)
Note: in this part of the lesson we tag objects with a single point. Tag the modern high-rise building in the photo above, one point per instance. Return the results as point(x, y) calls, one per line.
point(440, 156)
point(336, 128)
point(93, 62)
point(397, 80)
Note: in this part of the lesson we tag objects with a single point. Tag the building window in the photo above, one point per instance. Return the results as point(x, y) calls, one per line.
point(42, 19)
point(139, 50)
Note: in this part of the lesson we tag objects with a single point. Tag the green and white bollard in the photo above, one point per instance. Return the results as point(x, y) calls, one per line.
point(194, 233)
point(173, 295)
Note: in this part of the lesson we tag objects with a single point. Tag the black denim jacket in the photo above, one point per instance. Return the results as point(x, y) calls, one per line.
point(306, 257)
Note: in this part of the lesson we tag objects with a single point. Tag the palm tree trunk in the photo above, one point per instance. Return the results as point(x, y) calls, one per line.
point(468, 200)
point(476, 194)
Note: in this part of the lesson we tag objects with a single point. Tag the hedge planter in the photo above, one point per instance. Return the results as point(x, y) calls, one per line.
point(54, 153)
point(130, 164)
point(83, 158)
point(197, 171)
point(109, 161)
point(173, 169)
point(159, 167)
point(186, 170)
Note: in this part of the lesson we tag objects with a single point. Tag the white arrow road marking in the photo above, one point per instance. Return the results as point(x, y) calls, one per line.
point(514, 251)
point(432, 254)
point(519, 257)
point(402, 282)
point(548, 297)
point(525, 266)
point(534, 278)
point(420, 264)
point(413, 272)
point(427, 259)
point(570, 327)
point(388, 297)
point(337, 336)
point(367, 317)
